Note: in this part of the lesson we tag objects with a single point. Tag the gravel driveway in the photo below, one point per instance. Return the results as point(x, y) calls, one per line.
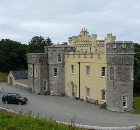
point(65, 108)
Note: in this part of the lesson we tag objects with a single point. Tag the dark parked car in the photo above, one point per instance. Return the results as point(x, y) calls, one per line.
point(14, 98)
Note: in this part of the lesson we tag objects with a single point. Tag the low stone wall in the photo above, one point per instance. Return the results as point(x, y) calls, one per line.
point(22, 86)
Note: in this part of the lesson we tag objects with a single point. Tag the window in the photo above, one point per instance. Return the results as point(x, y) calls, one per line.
point(88, 92)
point(124, 101)
point(13, 97)
point(76, 88)
point(88, 70)
point(55, 72)
point(45, 86)
point(132, 73)
point(103, 95)
point(72, 69)
point(31, 71)
point(103, 71)
point(35, 72)
point(51, 88)
point(59, 58)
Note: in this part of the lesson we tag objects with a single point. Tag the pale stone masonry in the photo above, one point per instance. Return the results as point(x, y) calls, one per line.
point(100, 70)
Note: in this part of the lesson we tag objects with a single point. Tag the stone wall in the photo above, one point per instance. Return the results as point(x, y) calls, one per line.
point(22, 86)
point(35, 80)
point(120, 60)
point(45, 64)
point(56, 83)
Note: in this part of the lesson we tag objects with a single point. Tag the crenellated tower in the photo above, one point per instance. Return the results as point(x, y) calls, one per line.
point(120, 61)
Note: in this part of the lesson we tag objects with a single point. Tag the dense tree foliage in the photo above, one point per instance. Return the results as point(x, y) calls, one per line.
point(37, 44)
point(137, 69)
point(12, 55)
point(64, 43)
point(137, 47)
point(49, 42)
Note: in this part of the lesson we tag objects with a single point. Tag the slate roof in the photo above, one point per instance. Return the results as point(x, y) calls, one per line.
point(20, 74)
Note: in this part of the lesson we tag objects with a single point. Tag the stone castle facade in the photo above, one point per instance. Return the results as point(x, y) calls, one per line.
point(86, 68)
point(46, 71)
point(120, 61)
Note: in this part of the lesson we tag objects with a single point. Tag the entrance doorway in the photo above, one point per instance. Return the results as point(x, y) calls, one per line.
point(60, 89)
point(11, 83)
point(72, 88)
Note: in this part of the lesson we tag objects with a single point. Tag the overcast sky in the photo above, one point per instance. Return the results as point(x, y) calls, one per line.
point(20, 20)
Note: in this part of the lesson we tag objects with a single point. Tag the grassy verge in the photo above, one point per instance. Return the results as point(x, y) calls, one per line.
point(12, 121)
point(136, 105)
point(3, 77)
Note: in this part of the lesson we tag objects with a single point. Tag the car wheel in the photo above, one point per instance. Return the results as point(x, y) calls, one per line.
point(6, 102)
point(19, 103)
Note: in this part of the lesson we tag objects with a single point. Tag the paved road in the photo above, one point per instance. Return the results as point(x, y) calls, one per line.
point(65, 108)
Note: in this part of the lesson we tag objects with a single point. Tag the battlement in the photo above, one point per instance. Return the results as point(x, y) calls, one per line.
point(33, 58)
point(59, 47)
point(100, 42)
point(84, 42)
point(120, 47)
point(127, 42)
point(35, 55)
point(109, 35)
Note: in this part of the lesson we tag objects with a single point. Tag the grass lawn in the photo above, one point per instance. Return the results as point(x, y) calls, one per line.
point(3, 76)
point(11, 121)
point(136, 105)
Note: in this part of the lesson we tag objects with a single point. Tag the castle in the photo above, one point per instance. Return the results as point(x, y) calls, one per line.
point(86, 68)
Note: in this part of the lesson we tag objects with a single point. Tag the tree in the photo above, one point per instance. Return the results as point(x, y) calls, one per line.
point(137, 73)
point(12, 55)
point(49, 42)
point(37, 44)
point(64, 43)
point(136, 47)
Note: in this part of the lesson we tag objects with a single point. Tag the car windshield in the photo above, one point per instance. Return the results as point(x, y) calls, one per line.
point(18, 96)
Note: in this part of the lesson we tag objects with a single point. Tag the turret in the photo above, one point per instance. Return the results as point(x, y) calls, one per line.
point(94, 36)
point(109, 38)
point(84, 33)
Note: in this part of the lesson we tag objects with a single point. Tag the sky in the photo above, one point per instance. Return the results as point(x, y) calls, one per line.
point(20, 20)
